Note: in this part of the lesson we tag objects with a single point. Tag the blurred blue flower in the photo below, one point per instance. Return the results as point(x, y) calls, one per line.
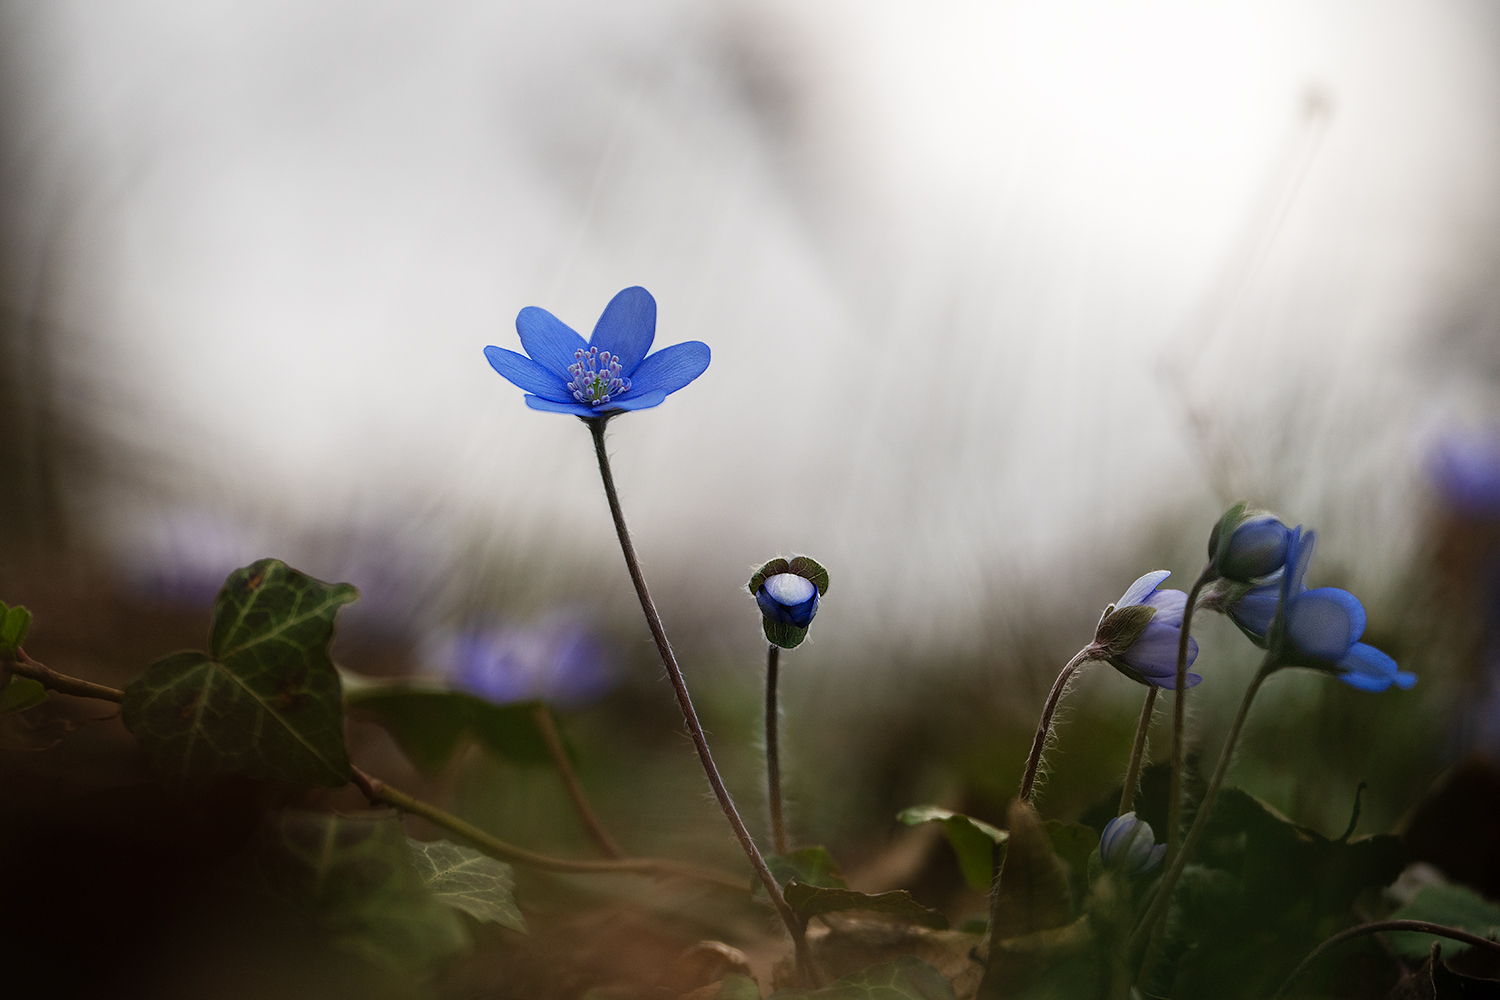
point(609, 373)
point(788, 598)
point(1465, 467)
point(1129, 844)
point(557, 661)
point(1257, 548)
point(1319, 628)
point(1152, 657)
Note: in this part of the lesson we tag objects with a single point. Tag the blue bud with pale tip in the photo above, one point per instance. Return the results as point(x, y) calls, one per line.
point(788, 591)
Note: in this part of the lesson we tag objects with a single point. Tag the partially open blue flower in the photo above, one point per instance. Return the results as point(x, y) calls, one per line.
point(1319, 628)
point(1257, 548)
point(611, 372)
point(1129, 844)
point(1150, 654)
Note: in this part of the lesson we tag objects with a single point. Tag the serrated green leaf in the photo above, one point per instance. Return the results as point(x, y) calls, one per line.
point(811, 901)
point(354, 879)
point(14, 624)
point(464, 879)
point(431, 722)
point(264, 701)
point(973, 840)
point(737, 987)
point(1451, 905)
point(907, 978)
point(20, 694)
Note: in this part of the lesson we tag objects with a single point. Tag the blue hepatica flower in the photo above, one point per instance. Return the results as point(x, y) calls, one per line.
point(1129, 844)
point(609, 373)
point(1318, 628)
point(1257, 548)
point(1151, 658)
point(788, 598)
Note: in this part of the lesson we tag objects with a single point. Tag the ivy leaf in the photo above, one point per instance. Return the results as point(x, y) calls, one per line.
point(430, 722)
point(809, 901)
point(1451, 905)
point(907, 978)
point(464, 879)
point(14, 624)
point(355, 880)
point(264, 701)
point(973, 840)
point(1035, 894)
point(21, 693)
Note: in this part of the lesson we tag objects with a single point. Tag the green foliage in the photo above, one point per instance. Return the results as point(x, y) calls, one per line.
point(809, 901)
point(355, 880)
point(1075, 843)
point(21, 693)
point(14, 624)
point(973, 840)
point(473, 883)
point(907, 978)
point(803, 566)
point(1035, 890)
point(783, 634)
point(431, 723)
point(809, 865)
point(264, 701)
point(1451, 905)
point(737, 987)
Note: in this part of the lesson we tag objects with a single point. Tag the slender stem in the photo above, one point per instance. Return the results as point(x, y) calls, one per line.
point(378, 791)
point(1163, 897)
point(685, 702)
point(25, 666)
point(1421, 926)
point(1133, 773)
point(773, 754)
point(1044, 724)
point(548, 728)
point(1179, 718)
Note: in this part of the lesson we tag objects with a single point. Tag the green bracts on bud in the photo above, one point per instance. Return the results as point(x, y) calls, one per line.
point(788, 591)
point(1120, 628)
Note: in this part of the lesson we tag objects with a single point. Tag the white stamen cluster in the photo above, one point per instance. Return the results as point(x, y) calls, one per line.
point(596, 377)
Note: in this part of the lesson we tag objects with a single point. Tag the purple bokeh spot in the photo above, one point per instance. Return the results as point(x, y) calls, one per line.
point(1465, 468)
point(557, 661)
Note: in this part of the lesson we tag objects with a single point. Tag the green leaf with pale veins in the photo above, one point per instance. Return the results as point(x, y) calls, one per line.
point(973, 840)
point(430, 722)
point(464, 879)
point(264, 701)
point(809, 901)
point(1449, 905)
point(355, 879)
point(907, 978)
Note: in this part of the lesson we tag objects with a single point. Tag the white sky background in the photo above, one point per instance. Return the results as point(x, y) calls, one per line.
point(941, 252)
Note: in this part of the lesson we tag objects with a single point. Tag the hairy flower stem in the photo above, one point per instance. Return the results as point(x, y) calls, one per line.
point(1159, 904)
point(1421, 926)
point(590, 819)
point(773, 754)
point(685, 702)
point(1044, 724)
point(1137, 752)
point(1179, 718)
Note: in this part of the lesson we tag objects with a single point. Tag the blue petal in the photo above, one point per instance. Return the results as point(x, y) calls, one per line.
point(1299, 552)
point(1257, 548)
point(550, 342)
point(670, 368)
point(1324, 623)
point(1142, 588)
point(1169, 605)
point(1369, 669)
point(636, 401)
point(551, 406)
point(1154, 654)
point(626, 327)
point(527, 374)
point(1257, 609)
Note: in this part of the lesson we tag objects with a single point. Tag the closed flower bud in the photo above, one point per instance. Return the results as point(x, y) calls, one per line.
point(1247, 546)
point(1129, 845)
point(788, 592)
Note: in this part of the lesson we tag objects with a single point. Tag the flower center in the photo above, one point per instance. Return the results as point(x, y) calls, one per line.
point(596, 377)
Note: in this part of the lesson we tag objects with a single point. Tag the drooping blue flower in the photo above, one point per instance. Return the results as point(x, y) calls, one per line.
point(1257, 548)
point(1129, 845)
point(1150, 656)
point(611, 372)
point(788, 598)
point(1320, 628)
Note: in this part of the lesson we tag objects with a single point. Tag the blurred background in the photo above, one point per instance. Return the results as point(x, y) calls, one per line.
point(1007, 302)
